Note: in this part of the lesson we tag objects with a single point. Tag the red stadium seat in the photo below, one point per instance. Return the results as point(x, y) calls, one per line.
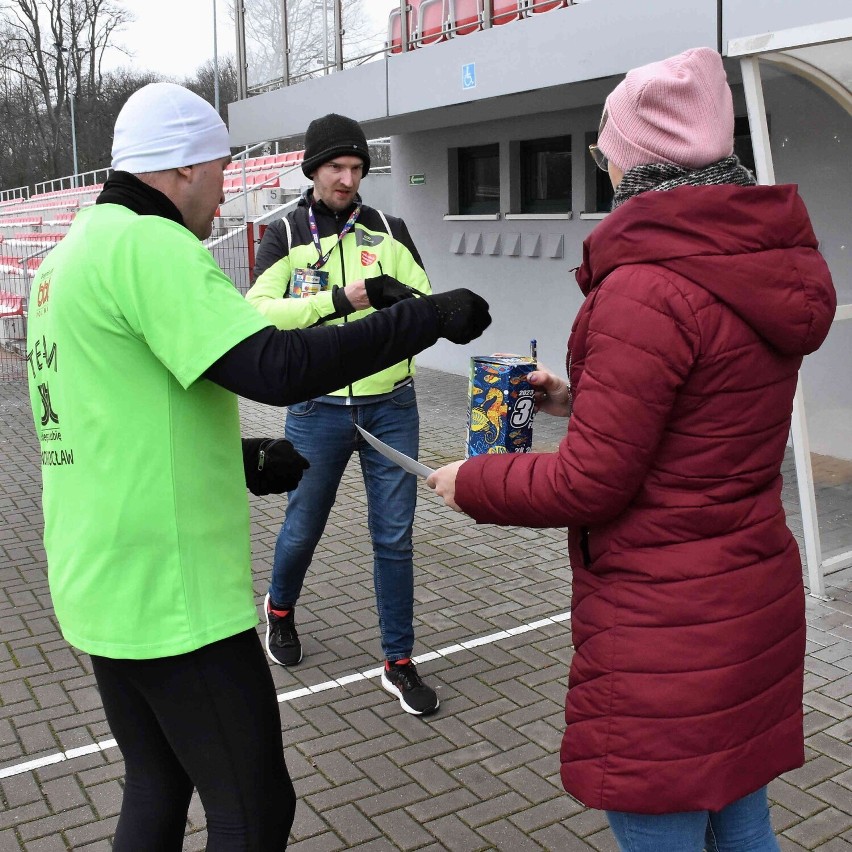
point(506, 11)
point(36, 237)
point(266, 180)
point(394, 42)
point(547, 5)
point(432, 21)
point(465, 16)
point(11, 304)
point(10, 265)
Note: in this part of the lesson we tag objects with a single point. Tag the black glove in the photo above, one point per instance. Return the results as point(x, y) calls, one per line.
point(342, 305)
point(462, 314)
point(384, 291)
point(272, 465)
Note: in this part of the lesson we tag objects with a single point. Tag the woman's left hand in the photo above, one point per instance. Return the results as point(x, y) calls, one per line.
point(443, 483)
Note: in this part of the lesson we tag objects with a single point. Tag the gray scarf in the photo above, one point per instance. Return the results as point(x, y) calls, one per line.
point(658, 177)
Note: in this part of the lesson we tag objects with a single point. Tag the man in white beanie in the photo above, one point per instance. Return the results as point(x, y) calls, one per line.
point(138, 346)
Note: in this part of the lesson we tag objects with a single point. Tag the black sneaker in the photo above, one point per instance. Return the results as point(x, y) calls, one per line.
point(282, 640)
point(401, 679)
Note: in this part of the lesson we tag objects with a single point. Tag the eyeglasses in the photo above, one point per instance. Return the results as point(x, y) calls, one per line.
point(599, 157)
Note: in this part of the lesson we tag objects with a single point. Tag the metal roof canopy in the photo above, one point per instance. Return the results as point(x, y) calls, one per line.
point(821, 53)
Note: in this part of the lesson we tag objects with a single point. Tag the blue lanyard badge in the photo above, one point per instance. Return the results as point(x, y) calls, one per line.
point(312, 221)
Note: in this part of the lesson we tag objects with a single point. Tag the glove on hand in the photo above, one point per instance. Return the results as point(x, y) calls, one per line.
point(342, 306)
point(272, 465)
point(384, 291)
point(462, 314)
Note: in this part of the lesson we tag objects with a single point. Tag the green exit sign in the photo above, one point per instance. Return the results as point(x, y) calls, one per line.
point(416, 180)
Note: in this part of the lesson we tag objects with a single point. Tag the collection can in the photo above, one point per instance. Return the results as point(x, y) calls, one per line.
point(500, 404)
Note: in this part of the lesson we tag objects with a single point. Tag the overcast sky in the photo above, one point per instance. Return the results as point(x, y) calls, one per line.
point(175, 37)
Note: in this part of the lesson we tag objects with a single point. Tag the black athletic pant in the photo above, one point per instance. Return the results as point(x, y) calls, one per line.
point(207, 719)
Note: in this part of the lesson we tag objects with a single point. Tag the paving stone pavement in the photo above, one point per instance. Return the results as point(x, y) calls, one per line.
point(482, 774)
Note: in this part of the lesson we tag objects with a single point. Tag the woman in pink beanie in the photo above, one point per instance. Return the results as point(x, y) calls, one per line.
point(703, 294)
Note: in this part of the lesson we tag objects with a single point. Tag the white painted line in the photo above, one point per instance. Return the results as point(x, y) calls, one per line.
point(32, 764)
point(79, 752)
point(48, 759)
point(485, 640)
point(293, 694)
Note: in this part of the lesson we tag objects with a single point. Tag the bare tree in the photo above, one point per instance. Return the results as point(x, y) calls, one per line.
point(50, 49)
point(311, 41)
point(204, 83)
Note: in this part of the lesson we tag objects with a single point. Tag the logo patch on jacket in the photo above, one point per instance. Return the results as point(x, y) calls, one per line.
point(367, 259)
point(364, 238)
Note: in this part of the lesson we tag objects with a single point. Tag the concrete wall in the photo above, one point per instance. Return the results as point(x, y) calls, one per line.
point(742, 18)
point(556, 48)
point(548, 75)
point(531, 297)
point(520, 68)
point(537, 297)
point(378, 190)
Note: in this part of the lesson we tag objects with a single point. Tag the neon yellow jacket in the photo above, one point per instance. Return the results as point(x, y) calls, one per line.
point(376, 244)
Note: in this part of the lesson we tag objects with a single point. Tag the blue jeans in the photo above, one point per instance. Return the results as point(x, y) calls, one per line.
point(742, 826)
point(325, 435)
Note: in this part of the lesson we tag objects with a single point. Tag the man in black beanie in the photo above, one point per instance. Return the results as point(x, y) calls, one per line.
point(330, 260)
point(332, 136)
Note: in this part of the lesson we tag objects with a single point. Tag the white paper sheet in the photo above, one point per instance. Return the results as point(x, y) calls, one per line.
point(405, 462)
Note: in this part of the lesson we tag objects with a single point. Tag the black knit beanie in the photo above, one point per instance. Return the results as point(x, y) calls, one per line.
point(332, 136)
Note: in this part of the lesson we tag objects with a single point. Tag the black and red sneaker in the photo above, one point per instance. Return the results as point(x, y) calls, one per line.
point(401, 679)
point(282, 640)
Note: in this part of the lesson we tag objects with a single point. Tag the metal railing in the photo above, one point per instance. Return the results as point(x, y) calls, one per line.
point(83, 182)
point(405, 35)
point(19, 193)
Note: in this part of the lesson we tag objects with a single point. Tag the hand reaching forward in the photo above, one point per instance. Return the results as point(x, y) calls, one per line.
point(462, 314)
point(443, 483)
point(384, 291)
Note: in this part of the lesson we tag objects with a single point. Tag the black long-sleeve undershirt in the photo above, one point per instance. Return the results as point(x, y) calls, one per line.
point(283, 367)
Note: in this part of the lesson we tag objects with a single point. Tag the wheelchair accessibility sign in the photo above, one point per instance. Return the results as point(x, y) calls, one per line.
point(469, 76)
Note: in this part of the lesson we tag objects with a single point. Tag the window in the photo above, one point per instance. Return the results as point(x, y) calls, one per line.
point(479, 180)
point(599, 189)
point(545, 170)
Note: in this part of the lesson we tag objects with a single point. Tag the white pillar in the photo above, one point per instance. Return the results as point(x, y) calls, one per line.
point(799, 426)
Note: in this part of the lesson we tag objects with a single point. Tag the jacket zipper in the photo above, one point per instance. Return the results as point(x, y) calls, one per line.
point(570, 389)
point(584, 531)
point(584, 546)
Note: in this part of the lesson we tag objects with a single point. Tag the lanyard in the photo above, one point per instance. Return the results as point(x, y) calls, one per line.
point(323, 258)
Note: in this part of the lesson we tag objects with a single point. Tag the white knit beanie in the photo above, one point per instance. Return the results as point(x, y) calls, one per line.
point(164, 126)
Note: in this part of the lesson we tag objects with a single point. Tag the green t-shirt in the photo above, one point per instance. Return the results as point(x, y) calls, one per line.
point(145, 506)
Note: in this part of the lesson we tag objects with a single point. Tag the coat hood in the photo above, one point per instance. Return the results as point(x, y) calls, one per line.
point(752, 247)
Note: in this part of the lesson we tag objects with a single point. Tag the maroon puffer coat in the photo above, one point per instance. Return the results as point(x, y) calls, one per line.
point(685, 690)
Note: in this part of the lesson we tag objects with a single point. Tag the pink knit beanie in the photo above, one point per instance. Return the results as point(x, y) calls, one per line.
point(676, 111)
